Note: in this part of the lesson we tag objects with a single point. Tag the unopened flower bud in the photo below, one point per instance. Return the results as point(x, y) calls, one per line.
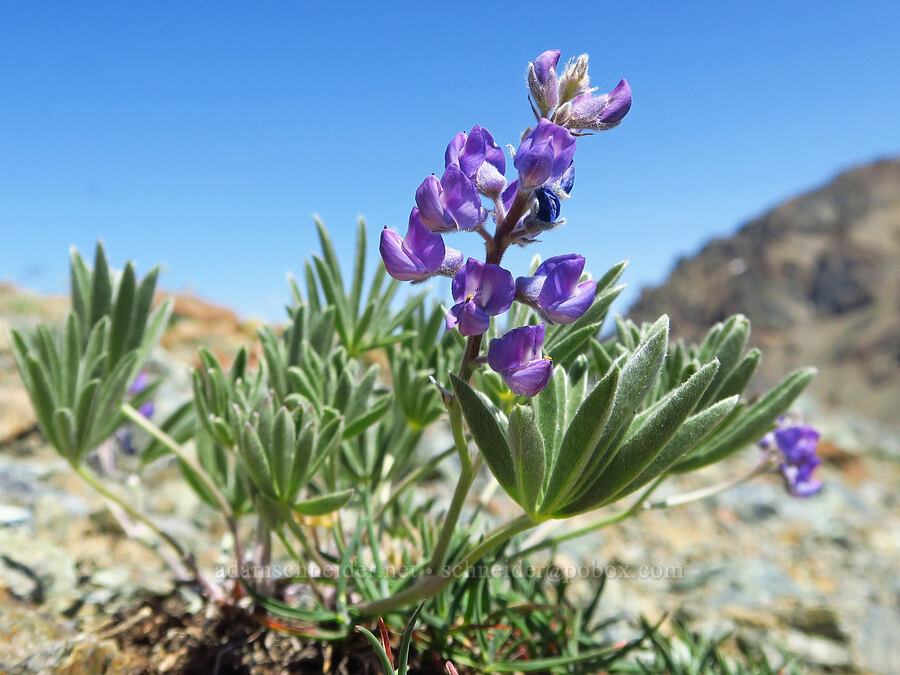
point(575, 79)
point(601, 112)
point(542, 81)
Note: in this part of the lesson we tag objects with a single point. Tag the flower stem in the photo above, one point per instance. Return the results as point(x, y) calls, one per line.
point(164, 438)
point(213, 591)
point(712, 490)
point(593, 527)
point(466, 476)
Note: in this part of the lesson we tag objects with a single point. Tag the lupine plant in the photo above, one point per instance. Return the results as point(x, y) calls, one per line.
point(319, 451)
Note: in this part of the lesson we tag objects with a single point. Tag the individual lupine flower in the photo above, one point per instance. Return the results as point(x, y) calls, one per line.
point(451, 203)
point(481, 291)
point(556, 290)
point(542, 81)
point(544, 155)
point(600, 112)
point(797, 445)
point(480, 159)
point(418, 255)
point(517, 356)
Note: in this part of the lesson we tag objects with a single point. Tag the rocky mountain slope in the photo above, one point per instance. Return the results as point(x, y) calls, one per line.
point(819, 277)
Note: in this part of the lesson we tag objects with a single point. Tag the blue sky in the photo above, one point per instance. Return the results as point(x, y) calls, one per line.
point(205, 135)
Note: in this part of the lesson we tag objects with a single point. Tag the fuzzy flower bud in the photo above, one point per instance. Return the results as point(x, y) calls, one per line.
point(542, 81)
point(575, 79)
point(600, 112)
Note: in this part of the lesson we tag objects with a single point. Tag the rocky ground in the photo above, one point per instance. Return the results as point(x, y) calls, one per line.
point(818, 577)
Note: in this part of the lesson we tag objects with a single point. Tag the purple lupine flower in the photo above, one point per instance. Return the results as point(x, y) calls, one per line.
point(601, 112)
point(140, 383)
point(517, 356)
point(418, 255)
point(451, 203)
point(797, 445)
point(556, 289)
point(544, 155)
point(481, 291)
point(480, 159)
point(542, 80)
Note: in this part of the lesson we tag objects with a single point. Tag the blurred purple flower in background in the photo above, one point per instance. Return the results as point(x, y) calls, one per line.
point(481, 291)
point(797, 445)
point(556, 289)
point(140, 383)
point(517, 356)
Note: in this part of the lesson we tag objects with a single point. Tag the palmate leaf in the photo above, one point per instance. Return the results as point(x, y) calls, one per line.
point(642, 445)
point(751, 425)
point(581, 436)
point(595, 444)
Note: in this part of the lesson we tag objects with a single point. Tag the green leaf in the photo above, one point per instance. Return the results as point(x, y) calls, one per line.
point(80, 280)
point(101, 288)
point(740, 377)
point(637, 376)
point(359, 267)
point(547, 416)
point(324, 504)
point(49, 357)
point(488, 435)
point(84, 408)
point(580, 439)
point(303, 452)
point(613, 275)
point(180, 425)
point(752, 425)
point(66, 433)
point(42, 399)
point(71, 357)
point(697, 427)
point(527, 449)
point(645, 443)
point(143, 303)
point(254, 455)
point(94, 351)
point(383, 657)
point(281, 457)
point(572, 344)
point(358, 425)
point(406, 639)
point(734, 339)
point(121, 316)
